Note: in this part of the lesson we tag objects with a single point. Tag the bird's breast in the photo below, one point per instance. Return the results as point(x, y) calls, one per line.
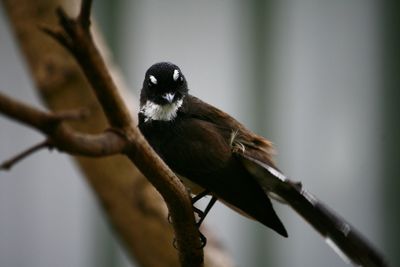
point(190, 147)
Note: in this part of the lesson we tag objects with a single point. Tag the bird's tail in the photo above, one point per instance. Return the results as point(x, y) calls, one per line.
point(339, 234)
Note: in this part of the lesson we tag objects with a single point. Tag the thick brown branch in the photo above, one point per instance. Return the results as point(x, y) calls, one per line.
point(174, 193)
point(140, 152)
point(133, 207)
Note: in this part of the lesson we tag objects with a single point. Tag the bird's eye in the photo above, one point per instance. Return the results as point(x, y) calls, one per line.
point(152, 80)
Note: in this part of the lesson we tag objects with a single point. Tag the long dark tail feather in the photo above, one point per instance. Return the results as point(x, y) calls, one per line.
point(339, 234)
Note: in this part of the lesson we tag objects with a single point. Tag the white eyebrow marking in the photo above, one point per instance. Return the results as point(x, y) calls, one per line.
point(176, 75)
point(153, 79)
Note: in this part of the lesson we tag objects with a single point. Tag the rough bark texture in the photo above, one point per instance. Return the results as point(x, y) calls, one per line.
point(134, 208)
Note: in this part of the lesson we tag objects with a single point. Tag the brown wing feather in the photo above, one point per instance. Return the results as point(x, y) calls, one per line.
point(230, 182)
point(240, 137)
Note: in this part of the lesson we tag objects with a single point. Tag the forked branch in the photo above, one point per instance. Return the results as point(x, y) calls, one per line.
point(59, 135)
point(75, 36)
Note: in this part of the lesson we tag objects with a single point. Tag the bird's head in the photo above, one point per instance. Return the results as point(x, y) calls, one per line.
point(163, 84)
point(164, 88)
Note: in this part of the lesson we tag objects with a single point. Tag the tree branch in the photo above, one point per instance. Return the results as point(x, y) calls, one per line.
point(59, 135)
point(23, 113)
point(8, 164)
point(139, 151)
point(76, 37)
point(84, 15)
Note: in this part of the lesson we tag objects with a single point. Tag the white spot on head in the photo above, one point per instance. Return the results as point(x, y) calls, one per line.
point(153, 79)
point(175, 76)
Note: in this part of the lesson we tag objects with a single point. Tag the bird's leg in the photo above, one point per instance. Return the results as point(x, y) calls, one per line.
point(206, 210)
point(202, 215)
point(196, 198)
point(200, 196)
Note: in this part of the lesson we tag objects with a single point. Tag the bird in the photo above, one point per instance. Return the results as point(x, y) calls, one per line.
point(214, 154)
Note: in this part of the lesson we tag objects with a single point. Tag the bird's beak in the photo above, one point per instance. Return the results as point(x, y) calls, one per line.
point(169, 97)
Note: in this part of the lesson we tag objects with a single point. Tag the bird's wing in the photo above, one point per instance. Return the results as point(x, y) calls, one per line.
point(238, 135)
point(255, 152)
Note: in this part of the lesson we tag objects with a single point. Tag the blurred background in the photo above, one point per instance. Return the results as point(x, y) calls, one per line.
point(318, 78)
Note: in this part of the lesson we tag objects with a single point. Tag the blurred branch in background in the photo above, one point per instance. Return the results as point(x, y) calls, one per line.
point(135, 210)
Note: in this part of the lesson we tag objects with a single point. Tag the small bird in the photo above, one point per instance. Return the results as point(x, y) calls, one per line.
point(213, 154)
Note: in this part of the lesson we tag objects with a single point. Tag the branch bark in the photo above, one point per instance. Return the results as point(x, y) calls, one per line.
point(134, 209)
point(60, 135)
point(75, 36)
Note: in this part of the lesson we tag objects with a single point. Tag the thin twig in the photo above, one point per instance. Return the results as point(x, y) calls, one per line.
point(84, 15)
point(8, 164)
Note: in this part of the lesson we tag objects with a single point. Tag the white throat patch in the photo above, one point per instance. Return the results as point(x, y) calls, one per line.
point(156, 112)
